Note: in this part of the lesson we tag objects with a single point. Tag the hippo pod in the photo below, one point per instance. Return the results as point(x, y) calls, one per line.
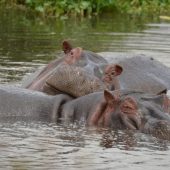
point(130, 110)
point(78, 73)
point(136, 73)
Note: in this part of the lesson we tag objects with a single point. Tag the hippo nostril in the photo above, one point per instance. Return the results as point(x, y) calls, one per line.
point(130, 121)
point(136, 122)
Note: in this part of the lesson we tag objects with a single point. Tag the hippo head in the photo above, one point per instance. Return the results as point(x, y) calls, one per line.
point(111, 71)
point(116, 113)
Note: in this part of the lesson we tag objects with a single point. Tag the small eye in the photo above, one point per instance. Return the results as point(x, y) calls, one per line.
point(113, 73)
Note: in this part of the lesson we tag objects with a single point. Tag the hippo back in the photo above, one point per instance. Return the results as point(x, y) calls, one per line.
point(24, 104)
point(145, 74)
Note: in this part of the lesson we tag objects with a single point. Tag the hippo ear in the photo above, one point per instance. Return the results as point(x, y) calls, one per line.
point(101, 114)
point(109, 97)
point(118, 70)
point(66, 46)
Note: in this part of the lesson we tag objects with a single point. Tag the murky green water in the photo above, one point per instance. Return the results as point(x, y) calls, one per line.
point(27, 43)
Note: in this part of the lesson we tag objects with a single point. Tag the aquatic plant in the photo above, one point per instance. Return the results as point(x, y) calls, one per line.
point(83, 8)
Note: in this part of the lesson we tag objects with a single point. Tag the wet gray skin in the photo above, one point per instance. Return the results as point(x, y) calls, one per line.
point(142, 73)
point(21, 104)
point(150, 117)
point(150, 106)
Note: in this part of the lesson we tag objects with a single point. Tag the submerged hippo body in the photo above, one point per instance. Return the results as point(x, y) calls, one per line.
point(133, 110)
point(151, 106)
point(22, 104)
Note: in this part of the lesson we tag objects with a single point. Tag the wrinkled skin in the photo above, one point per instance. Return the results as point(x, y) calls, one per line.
point(74, 81)
point(86, 61)
point(131, 110)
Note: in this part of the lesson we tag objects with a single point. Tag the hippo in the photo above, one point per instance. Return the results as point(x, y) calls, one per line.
point(77, 66)
point(20, 103)
point(139, 72)
point(27, 105)
point(131, 110)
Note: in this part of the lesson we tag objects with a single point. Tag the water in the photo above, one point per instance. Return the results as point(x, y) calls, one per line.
point(27, 43)
point(42, 146)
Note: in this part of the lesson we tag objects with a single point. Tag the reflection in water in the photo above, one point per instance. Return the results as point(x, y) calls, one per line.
point(27, 43)
point(130, 140)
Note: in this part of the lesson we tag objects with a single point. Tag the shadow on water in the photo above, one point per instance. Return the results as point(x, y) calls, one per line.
point(27, 43)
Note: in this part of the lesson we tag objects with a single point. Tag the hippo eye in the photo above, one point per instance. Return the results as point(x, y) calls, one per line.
point(113, 73)
point(71, 53)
